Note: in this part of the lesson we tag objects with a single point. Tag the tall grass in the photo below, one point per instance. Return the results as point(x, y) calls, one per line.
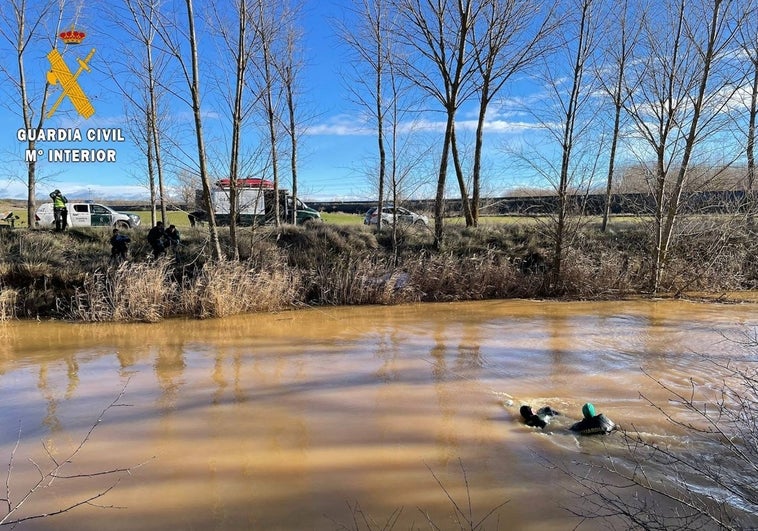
point(231, 287)
point(68, 274)
point(8, 298)
point(131, 292)
point(486, 275)
point(149, 292)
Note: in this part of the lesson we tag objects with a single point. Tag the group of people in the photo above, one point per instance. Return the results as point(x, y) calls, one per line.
point(158, 237)
point(591, 423)
point(161, 238)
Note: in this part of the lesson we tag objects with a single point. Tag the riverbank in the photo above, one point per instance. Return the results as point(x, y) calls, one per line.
point(70, 275)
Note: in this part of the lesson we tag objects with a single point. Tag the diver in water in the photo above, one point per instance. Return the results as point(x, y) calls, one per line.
point(539, 419)
point(593, 424)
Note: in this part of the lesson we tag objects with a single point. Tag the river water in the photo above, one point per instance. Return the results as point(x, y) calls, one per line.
point(344, 418)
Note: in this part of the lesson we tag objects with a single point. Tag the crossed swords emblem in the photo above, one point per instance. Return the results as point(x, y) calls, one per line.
point(60, 73)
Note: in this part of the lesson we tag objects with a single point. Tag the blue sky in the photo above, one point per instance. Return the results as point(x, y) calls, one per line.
point(337, 149)
point(334, 154)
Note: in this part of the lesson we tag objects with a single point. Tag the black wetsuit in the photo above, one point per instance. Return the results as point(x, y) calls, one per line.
point(598, 424)
point(539, 419)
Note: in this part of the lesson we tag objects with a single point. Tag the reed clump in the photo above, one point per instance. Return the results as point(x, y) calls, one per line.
point(8, 298)
point(130, 292)
point(234, 287)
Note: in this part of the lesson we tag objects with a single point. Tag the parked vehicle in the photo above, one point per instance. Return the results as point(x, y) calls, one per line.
point(255, 205)
point(388, 212)
point(250, 182)
point(87, 215)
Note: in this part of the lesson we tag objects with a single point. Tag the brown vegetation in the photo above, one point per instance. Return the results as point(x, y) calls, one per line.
point(44, 274)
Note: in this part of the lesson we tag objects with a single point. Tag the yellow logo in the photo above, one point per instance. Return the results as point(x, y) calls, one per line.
point(60, 74)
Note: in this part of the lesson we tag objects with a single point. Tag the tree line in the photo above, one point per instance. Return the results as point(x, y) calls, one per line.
point(671, 86)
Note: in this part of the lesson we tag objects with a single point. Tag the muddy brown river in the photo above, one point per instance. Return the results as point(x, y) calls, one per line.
point(345, 418)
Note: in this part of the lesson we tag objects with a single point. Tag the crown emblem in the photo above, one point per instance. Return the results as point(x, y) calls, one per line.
point(72, 36)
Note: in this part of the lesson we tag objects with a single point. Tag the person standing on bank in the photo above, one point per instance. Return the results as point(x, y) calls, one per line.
point(60, 212)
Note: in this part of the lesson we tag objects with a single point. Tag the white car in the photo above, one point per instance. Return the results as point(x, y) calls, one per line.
point(87, 215)
point(403, 216)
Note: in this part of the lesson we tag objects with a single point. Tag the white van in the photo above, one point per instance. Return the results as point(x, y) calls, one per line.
point(87, 215)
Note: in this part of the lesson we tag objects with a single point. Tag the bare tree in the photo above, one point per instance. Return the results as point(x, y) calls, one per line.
point(508, 36)
point(679, 98)
point(194, 86)
point(748, 39)
point(368, 39)
point(142, 90)
point(167, 30)
point(267, 25)
point(436, 34)
point(622, 33)
point(239, 46)
point(22, 23)
point(289, 68)
point(580, 33)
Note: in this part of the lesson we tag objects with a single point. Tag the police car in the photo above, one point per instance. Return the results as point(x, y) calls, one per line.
point(87, 215)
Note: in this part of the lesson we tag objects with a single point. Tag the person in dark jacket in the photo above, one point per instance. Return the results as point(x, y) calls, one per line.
point(593, 424)
point(156, 238)
point(172, 236)
point(119, 246)
point(539, 419)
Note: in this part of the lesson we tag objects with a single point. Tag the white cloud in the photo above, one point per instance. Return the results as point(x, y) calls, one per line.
point(15, 189)
point(347, 126)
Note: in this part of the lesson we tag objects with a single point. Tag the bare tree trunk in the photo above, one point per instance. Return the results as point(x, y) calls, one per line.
point(569, 126)
point(153, 130)
point(466, 20)
point(19, 32)
point(620, 59)
point(750, 145)
point(271, 121)
point(289, 69)
point(150, 165)
point(672, 210)
point(293, 144)
point(611, 167)
point(195, 91)
point(240, 69)
point(439, 197)
point(465, 204)
point(266, 32)
point(511, 37)
point(478, 146)
point(379, 70)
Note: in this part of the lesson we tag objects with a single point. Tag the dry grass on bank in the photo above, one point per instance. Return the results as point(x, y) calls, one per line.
point(231, 287)
point(68, 275)
point(129, 292)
